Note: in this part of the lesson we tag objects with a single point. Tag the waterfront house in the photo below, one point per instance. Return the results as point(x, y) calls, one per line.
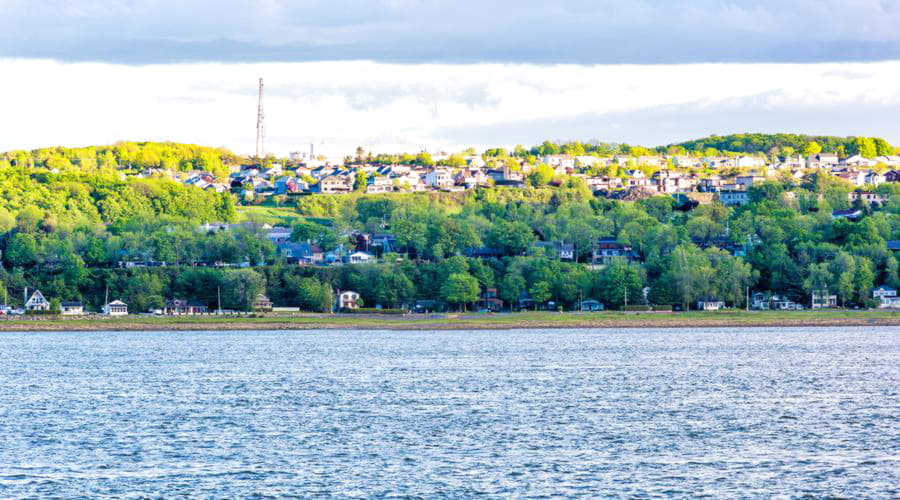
point(262, 304)
point(590, 305)
point(71, 308)
point(887, 297)
point(822, 300)
point(37, 302)
point(348, 299)
point(178, 307)
point(710, 305)
point(491, 300)
point(116, 308)
point(763, 302)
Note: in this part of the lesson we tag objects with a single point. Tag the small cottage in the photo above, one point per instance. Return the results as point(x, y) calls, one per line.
point(116, 308)
point(348, 300)
point(71, 308)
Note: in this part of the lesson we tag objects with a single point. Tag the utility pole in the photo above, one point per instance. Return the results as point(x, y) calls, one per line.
point(219, 299)
point(625, 287)
point(260, 127)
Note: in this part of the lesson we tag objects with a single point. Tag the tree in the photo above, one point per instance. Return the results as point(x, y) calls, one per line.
point(621, 281)
point(812, 148)
point(865, 147)
point(511, 288)
point(21, 250)
point(241, 288)
point(540, 292)
point(541, 175)
point(460, 288)
point(360, 181)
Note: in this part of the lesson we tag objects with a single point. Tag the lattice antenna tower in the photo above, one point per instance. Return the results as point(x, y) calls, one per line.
point(260, 126)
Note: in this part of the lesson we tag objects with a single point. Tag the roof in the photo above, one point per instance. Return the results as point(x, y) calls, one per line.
point(893, 245)
point(71, 304)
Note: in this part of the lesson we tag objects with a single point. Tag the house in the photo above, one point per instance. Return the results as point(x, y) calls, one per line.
point(379, 184)
point(560, 163)
point(348, 299)
point(852, 214)
point(763, 302)
point(279, 234)
point(386, 241)
point(565, 251)
point(300, 253)
point(116, 308)
point(335, 184)
point(747, 181)
point(710, 305)
point(439, 178)
point(733, 197)
point(608, 249)
point(491, 300)
point(71, 308)
point(178, 307)
point(590, 305)
point(262, 304)
point(822, 300)
point(867, 197)
point(893, 245)
point(359, 258)
point(892, 176)
point(36, 302)
point(887, 297)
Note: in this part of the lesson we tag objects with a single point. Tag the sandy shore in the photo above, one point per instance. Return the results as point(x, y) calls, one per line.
point(539, 320)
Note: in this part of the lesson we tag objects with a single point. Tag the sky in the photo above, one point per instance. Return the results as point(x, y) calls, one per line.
point(407, 75)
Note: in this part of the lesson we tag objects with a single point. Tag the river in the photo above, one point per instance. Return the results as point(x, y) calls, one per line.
point(718, 412)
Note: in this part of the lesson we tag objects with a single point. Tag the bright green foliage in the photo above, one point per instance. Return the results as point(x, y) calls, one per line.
point(460, 289)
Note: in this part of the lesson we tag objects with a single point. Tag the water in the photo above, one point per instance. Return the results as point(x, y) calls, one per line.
point(724, 413)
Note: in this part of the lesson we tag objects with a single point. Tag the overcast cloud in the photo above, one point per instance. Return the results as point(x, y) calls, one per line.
point(402, 107)
point(451, 31)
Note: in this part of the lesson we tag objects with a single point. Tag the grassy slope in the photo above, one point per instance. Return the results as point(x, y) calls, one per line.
point(467, 321)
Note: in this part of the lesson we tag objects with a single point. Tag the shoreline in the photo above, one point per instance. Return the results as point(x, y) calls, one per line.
point(462, 321)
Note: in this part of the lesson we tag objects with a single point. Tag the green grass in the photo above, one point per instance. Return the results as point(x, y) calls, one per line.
point(732, 318)
point(268, 214)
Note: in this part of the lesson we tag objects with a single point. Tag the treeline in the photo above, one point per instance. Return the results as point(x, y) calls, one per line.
point(126, 156)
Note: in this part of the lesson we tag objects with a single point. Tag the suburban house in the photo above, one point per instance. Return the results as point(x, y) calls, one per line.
point(608, 249)
point(348, 300)
point(733, 197)
point(71, 308)
point(439, 178)
point(116, 308)
point(37, 302)
point(335, 185)
point(359, 258)
point(178, 307)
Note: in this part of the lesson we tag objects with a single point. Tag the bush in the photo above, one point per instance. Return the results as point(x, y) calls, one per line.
point(637, 308)
point(663, 307)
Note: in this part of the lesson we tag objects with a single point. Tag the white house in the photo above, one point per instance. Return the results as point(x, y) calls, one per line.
point(71, 308)
point(348, 299)
point(359, 258)
point(439, 178)
point(887, 297)
point(559, 161)
point(116, 308)
point(710, 305)
point(37, 302)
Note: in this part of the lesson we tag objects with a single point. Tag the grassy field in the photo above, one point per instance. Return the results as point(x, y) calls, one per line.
point(269, 214)
point(529, 320)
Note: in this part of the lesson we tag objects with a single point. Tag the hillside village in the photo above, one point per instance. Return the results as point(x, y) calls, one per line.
point(722, 178)
point(584, 230)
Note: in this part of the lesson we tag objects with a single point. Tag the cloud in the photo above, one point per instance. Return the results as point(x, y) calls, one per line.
point(407, 107)
point(452, 31)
